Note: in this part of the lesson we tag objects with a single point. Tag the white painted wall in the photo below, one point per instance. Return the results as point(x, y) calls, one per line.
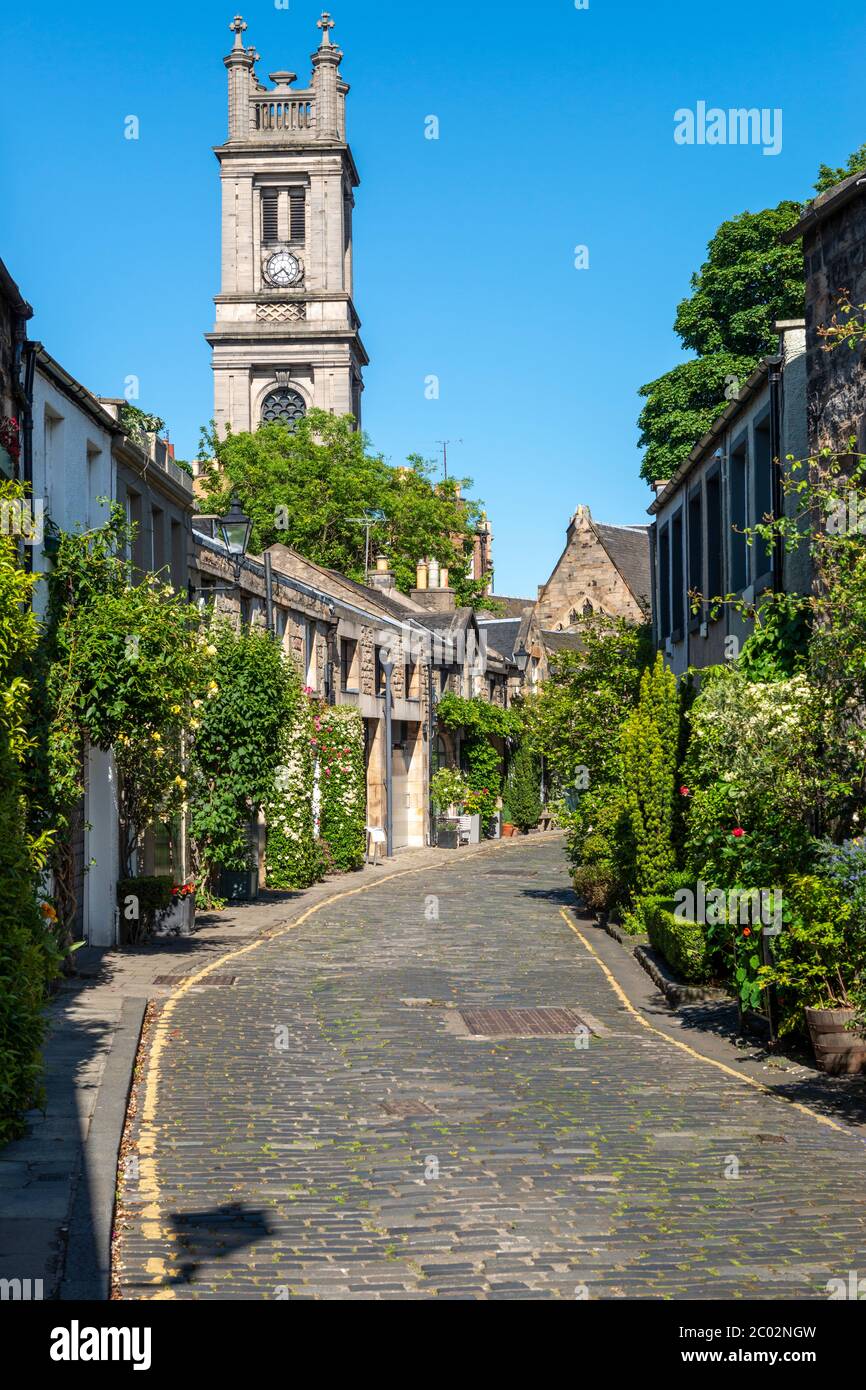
point(72, 466)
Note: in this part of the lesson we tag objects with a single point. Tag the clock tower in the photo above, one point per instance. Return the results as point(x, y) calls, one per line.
point(286, 337)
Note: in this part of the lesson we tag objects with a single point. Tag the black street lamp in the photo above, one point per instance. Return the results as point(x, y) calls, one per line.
point(521, 658)
point(235, 528)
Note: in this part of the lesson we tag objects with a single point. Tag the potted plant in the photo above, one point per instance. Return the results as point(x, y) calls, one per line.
point(178, 918)
point(449, 792)
point(817, 971)
point(140, 903)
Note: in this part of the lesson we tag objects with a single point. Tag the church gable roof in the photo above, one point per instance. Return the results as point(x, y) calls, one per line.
point(629, 550)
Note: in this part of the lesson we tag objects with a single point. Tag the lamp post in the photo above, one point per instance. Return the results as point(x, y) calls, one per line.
point(235, 528)
point(388, 670)
point(234, 532)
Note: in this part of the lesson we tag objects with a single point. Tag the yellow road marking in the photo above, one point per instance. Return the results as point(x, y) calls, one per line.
point(148, 1185)
point(684, 1047)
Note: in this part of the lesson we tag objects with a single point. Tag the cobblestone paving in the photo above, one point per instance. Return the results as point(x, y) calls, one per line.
point(311, 1172)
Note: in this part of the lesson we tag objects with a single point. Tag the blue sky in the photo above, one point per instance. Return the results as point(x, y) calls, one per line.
point(556, 129)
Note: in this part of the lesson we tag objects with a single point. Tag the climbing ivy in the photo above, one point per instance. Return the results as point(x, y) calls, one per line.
point(338, 742)
point(294, 858)
point(479, 722)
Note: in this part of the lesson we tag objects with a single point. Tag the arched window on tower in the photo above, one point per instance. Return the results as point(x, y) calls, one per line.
point(283, 407)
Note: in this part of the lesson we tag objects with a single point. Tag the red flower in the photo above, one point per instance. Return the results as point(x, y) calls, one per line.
point(684, 791)
point(738, 833)
point(747, 931)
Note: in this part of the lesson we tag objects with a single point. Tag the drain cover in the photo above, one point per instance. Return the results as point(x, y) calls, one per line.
point(406, 1109)
point(210, 980)
point(521, 1023)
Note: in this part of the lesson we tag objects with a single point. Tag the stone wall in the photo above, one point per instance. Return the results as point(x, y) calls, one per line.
point(835, 260)
point(584, 574)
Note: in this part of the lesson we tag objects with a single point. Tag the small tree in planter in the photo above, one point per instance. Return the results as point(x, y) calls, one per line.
point(523, 789)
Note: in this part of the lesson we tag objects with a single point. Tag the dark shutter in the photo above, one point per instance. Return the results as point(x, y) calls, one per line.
point(298, 207)
point(270, 223)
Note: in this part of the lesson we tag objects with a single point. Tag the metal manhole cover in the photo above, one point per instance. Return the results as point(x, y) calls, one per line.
point(210, 980)
point(406, 1109)
point(522, 1023)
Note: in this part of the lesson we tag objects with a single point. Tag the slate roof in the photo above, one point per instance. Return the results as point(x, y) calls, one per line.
point(629, 549)
point(511, 607)
point(501, 635)
point(562, 641)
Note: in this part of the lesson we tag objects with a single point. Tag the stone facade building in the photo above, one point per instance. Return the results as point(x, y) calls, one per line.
point(602, 570)
point(14, 315)
point(287, 336)
point(729, 483)
point(833, 232)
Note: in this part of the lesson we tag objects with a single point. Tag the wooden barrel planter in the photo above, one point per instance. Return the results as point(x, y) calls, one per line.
point(838, 1051)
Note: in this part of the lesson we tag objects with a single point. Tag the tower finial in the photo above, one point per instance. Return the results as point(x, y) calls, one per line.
point(237, 26)
point(325, 24)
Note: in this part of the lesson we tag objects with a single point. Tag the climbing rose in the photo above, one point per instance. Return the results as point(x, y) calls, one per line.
point(738, 833)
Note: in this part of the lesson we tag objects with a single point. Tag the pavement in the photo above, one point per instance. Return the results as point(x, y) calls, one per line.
point(315, 1119)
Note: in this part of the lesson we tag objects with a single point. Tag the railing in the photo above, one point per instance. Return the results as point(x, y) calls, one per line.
point(283, 115)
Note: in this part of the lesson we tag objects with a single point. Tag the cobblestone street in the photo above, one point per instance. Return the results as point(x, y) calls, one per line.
point(314, 1120)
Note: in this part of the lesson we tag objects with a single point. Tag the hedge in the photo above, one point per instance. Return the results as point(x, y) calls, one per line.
point(294, 858)
point(342, 786)
point(682, 943)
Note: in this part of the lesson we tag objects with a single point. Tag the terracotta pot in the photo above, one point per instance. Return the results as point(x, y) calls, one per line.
point(838, 1051)
point(508, 830)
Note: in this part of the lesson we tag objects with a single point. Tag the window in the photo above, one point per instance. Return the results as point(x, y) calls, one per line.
point(178, 568)
point(714, 534)
point(297, 214)
point(270, 216)
point(678, 597)
point(696, 549)
point(664, 583)
point(349, 664)
point(157, 522)
point(762, 562)
point(283, 407)
point(738, 518)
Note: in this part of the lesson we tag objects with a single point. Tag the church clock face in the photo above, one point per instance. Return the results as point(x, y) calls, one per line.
point(283, 269)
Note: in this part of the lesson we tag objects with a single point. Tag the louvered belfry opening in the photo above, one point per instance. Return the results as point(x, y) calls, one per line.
point(298, 214)
point(270, 216)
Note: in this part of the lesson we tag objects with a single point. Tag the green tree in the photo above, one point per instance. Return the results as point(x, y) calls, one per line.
point(523, 789)
point(27, 957)
point(308, 487)
point(587, 696)
point(828, 177)
point(649, 739)
point(748, 281)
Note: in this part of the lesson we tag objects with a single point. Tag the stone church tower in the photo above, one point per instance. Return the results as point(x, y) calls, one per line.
point(286, 336)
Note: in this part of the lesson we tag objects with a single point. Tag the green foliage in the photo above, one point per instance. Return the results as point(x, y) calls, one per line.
point(649, 742)
point(817, 958)
point(306, 488)
point(339, 744)
point(139, 901)
point(138, 423)
point(779, 645)
point(294, 858)
point(480, 722)
point(120, 667)
point(569, 721)
point(28, 958)
point(748, 281)
point(682, 943)
point(754, 765)
point(238, 745)
point(524, 783)
point(448, 787)
point(828, 178)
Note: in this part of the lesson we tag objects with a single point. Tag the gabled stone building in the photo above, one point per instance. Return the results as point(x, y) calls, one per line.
point(603, 570)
